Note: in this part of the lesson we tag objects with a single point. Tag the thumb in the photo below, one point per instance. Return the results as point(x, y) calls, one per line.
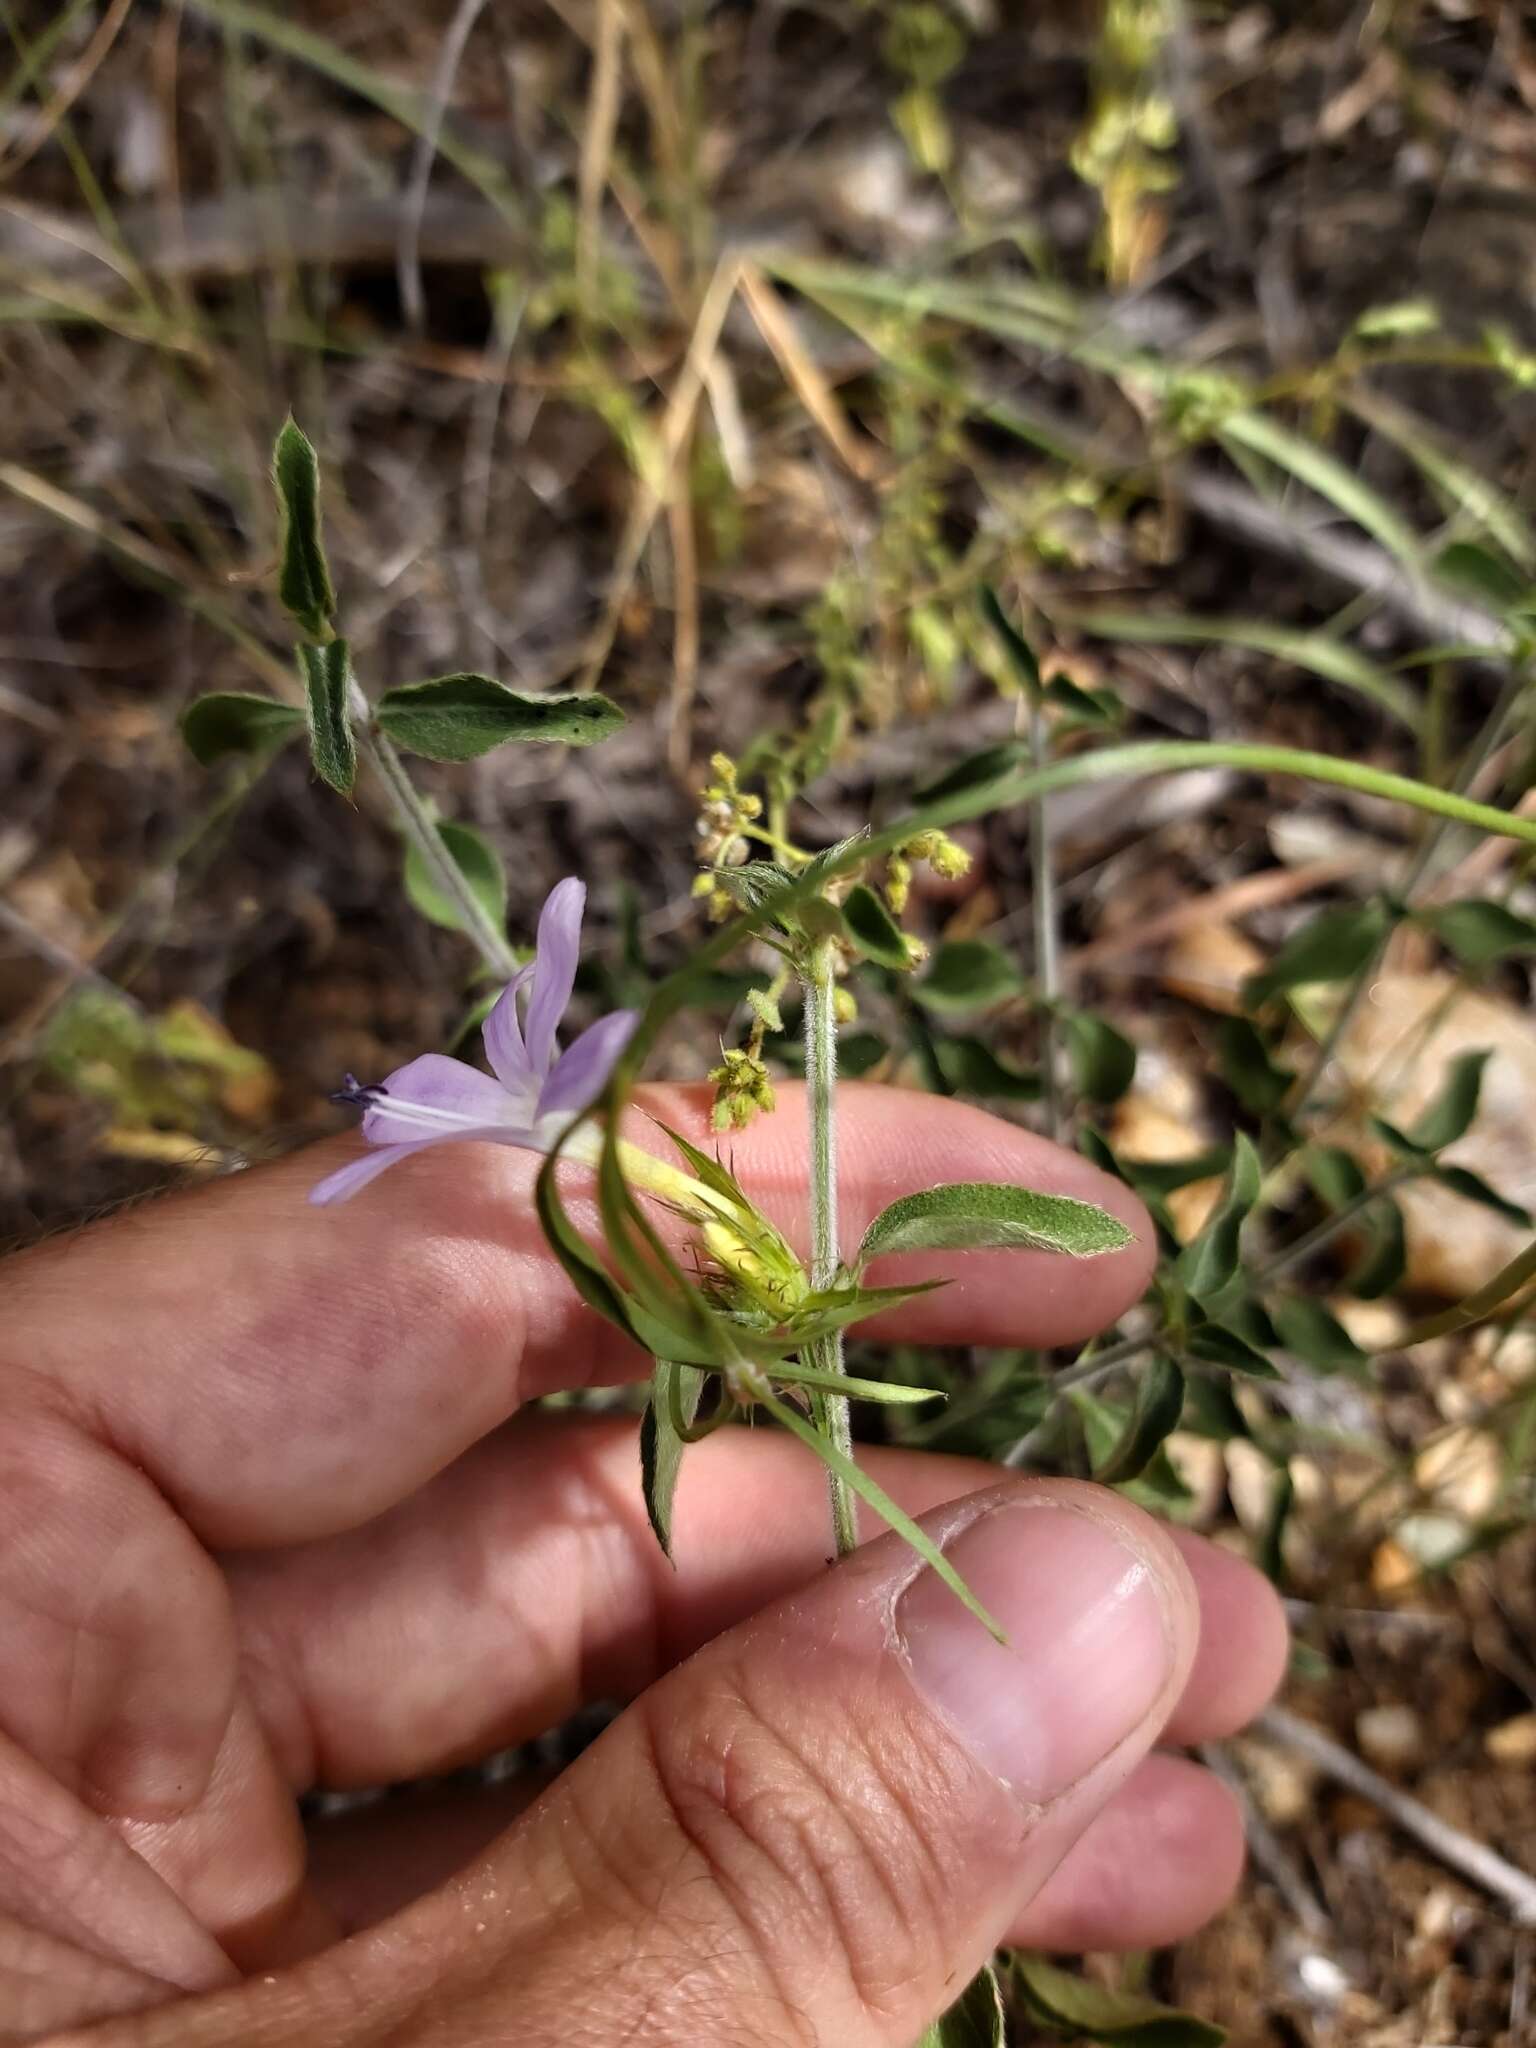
point(817, 1829)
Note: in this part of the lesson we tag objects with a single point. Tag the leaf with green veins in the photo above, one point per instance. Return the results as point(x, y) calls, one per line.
point(968, 974)
point(1316, 1336)
point(1333, 946)
point(975, 2020)
point(1460, 1180)
point(873, 929)
point(460, 717)
point(328, 688)
point(875, 1496)
point(237, 722)
point(1103, 1059)
point(978, 1215)
point(1249, 1068)
point(673, 1388)
point(480, 865)
point(304, 576)
point(972, 1068)
point(1159, 1404)
point(1209, 1263)
point(1480, 933)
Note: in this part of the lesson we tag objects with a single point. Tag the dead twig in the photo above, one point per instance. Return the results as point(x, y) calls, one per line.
point(1455, 1848)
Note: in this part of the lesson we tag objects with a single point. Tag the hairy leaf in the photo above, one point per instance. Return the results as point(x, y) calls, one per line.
point(328, 686)
point(873, 929)
point(460, 717)
point(1315, 1335)
point(1208, 1264)
point(1070, 2004)
point(975, 2020)
point(237, 722)
point(674, 1389)
point(303, 577)
point(973, 1215)
point(1159, 1404)
point(1103, 1059)
point(968, 974)
point(480, 865)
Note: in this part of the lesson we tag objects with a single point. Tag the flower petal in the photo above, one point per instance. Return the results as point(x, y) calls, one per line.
point(503, 1035)
point(580, 1074)
point(436, 1097)
point(342, 1185)
point(555, 959)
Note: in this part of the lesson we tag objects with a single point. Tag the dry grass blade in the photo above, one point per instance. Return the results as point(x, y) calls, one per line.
point(804, 376)
point(90, 62)
point(598, 131)
point(408, 259)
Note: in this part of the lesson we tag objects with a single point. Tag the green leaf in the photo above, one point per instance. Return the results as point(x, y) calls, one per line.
point(1480, 933)
point(1333, 946)
point(303, 577)
point(1460, 1180)
point(975, 2020)
point(870, 1491)
point(460, 717)
point(968, 974)
point(1071, 2005)
point(1385, 1259)
point(1484, 576)
point(480, 865)
point(237, 722)
point(972, 1215)
point(972, 1068)
point(873, 929)
point(1248, 1068)
point(583, 1269)
point(1316, 1336)
point(1103, 1060)
point(1335, 1174)
point(976, 772)
point(1208, 1264)
point(328, 684)
point(661, 1445)
point(1021, 656)
point(1450, 1116)
point(894, 1393)
point(1215, 1344)
point(1159, 1404)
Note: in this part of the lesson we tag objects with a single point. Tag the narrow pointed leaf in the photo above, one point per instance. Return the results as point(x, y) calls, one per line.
point(303, 577)
point(582, 1267)
point(1452, 1113)
point(1159, 1404)
point(674, 1388)
point(460, 717)
point(976, 773)
point(480, 865)
point(1215, 1344)
point(894, 1393)
point(1384, 1261)
point(977, 1215)
point(873, 929)
point(1210, 1262)
point(972, 1068)
point(1248, 1067)
point(1103, 1059)
point(1021, 656)
point(1069, 2004)
point(875, 1496)
point(237, 722)
point(1473, 1188)
point(328, 683)
point(1315, 1335)
point(1333, 946)
point(1335, 1174)
point(1480, 933)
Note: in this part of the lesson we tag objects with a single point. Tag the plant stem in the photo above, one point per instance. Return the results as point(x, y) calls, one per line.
point(1043, 909)
point(826, 1354)
point(416, 822)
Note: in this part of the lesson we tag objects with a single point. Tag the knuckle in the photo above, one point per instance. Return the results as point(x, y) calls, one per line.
point(823, 1837)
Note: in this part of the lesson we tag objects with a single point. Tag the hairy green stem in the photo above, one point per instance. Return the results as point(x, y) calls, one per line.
point(416, 822)
point(826, 1353)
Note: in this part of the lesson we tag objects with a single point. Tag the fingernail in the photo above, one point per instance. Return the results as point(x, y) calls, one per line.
point(1089, 1651)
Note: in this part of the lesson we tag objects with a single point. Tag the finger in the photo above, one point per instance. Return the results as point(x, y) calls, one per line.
point(1162, 1858)
point(816, 1828)
point(527, 1581)
point(302, 1371)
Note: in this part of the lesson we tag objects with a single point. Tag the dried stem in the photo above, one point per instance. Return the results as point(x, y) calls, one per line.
point(820, 1031)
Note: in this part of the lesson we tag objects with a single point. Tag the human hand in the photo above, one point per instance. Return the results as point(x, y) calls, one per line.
point(261, 1528)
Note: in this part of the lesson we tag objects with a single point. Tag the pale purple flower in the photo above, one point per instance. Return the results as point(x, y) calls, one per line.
point(536, 1089)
